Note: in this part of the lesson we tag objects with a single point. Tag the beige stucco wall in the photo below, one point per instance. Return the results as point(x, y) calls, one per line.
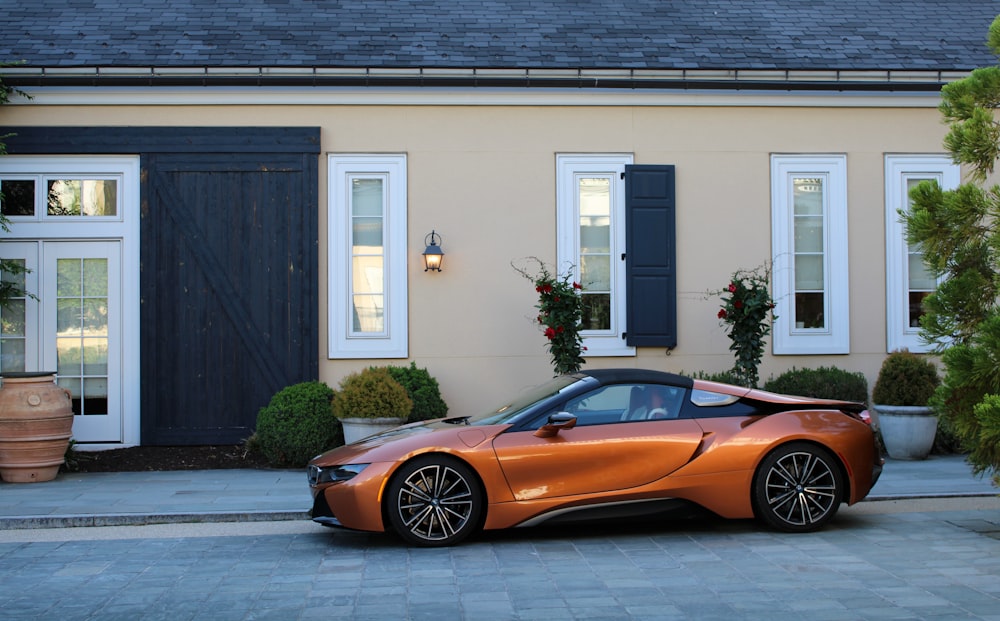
point(483, 176)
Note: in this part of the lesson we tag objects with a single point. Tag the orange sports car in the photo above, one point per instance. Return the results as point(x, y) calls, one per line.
point(600, 444)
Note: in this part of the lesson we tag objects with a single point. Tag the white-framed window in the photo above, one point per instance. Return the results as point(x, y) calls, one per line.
point(590, 233)
point(809, 245)
point(367, 256)
point(907, 279)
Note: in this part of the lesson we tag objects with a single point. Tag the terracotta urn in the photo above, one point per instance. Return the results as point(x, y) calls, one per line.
point(36, 422)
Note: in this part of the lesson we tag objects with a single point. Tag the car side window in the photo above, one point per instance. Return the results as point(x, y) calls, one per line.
point(599, 407)
point(654, 402)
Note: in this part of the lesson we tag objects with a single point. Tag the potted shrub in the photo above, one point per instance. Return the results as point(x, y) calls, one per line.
point(905, 384)
point(370, 402)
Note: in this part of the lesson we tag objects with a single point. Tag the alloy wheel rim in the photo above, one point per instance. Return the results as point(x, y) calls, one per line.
point(801, 488)
point(435, 502)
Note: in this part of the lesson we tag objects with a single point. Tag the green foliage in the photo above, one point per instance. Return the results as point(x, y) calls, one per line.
point(905, 379)
point(11, 271)
point(423, 390)
point(560, 310)
point(972, 378)
point(297, 425)
point(959, 233)
point(372, 393)
point(821, 383)
point(746, 304)
point(725, 377)
point(987, 413)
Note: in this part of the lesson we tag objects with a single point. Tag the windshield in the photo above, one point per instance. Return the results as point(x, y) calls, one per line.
point(506, 412)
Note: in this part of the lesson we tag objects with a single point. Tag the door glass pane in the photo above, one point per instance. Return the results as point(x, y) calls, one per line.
point(369, 313)
point(809, 233)
point(366, 197)
point(18, 197)
point(809, 311)
point(13, 323)
point(594, 199)
point(920, 277)
point(82, 333)
point(596, 311)
point(807, 196)
point(82, 197)
point(809, 272)
point(808, 249)
point(920, 281)
point(368, 255)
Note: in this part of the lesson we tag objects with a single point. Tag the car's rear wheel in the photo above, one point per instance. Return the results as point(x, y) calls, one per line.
point(798, 488)
point(434, 501)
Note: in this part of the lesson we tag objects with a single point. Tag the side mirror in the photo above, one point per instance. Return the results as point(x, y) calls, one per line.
point(557, 421)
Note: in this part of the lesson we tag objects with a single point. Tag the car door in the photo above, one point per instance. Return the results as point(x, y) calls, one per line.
point(607, 449)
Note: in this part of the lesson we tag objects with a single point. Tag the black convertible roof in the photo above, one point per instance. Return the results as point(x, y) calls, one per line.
point(614, 376)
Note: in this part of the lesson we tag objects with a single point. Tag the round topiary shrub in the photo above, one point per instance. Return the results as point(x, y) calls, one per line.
point(423, 391)
point(297, 425)
point(905, 379)
point(821, 383)
point(372, 393)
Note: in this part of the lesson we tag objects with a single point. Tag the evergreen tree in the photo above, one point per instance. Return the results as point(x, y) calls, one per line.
point(959, 232)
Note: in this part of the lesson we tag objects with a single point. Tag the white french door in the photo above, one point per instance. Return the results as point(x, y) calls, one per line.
point(74, 225)
point(73, 326)
point(81, 335)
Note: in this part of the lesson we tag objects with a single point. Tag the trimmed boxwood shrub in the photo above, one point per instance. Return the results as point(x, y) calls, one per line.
point(905, 379)
point(372, 393)
point(821, 383)
point(423, 390)
point(297, 425)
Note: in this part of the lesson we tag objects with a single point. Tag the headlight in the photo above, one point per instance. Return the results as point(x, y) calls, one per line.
point(333, 474)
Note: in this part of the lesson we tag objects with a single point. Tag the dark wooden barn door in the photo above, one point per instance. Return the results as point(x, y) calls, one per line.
point(228, 290)
point(228, 267)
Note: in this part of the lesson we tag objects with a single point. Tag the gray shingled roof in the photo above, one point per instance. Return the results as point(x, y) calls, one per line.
point(923, 35)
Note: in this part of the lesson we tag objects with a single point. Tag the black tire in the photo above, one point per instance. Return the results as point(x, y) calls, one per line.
point(798, 488)
point(434, 501)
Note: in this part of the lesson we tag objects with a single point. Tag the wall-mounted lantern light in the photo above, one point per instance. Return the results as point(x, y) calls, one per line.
point(433, 255)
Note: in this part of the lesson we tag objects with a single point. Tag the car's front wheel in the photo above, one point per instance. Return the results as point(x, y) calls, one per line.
point(798, 488)
point(434, 501)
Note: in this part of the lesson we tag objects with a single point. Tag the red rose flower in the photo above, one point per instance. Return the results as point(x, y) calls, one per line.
point(732, 287)
point(550, 333)
point(722, 313)
point(738, 303)
point(577, 285)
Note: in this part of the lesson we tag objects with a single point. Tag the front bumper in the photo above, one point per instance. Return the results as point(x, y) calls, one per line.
point(321, 513)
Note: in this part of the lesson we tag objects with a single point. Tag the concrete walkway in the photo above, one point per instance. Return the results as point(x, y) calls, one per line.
point(130, 498)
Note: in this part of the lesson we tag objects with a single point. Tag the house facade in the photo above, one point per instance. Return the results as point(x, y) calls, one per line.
point(216, 202)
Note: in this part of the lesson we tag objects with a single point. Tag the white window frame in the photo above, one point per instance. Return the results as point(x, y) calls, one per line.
point(123, 226)
point(834, 337)
point(569, 167)
point(393, 342)
point(899, 169)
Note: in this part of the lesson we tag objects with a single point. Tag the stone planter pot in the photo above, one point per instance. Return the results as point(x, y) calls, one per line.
point(36, 422)
point(908, 431)
point(357, 428)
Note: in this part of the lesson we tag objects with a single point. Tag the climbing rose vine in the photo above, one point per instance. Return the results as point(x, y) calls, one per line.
point(560, 308)
point(746, 304)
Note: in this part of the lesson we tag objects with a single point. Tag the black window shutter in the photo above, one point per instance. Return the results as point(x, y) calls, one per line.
point(650, 256)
